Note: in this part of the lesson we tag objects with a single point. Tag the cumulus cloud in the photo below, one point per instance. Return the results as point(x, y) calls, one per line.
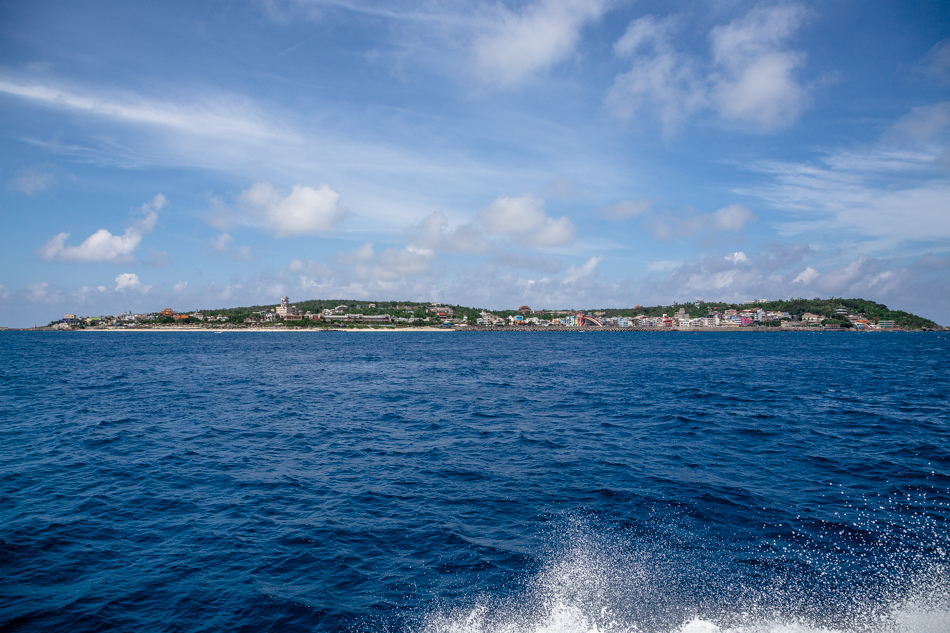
point(541, 35)
point(523, 219)
point(103, 246)
point(749, 76)
point(304, 211)
point(180, 287)
point(756, 80)
point(737, 258)
point(806, 276)
point(130, 281)
point(31, 181)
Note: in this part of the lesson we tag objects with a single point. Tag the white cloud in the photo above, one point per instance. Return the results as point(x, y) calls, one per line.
point(31, 181)
point(749, 77)
point(806, 276)
point(925, 127)
point(180, 287)
point(225, 118)
point(885, 193)
point(103, 246)
point(923, 123)
point(756, 81)
point(304, 211)
point(587, 271)
point(661, 78)
point(737, 258)
point(523, 219)
point(130, 281)
point(541, 35)
point(221, 243)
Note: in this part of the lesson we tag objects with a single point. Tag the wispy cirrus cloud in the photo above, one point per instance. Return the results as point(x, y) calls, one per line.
point(227, 117)
point(892, 191)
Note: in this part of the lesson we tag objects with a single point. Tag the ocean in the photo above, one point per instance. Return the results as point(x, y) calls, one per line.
point(475, 482)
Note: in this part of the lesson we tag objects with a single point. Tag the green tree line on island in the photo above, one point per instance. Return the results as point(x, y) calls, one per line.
point(419, 311)
point(422, 313)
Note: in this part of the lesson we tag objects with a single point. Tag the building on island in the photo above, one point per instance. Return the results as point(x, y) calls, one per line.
point(286, 311)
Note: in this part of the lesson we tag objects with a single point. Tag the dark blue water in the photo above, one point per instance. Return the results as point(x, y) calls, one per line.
point(469, 482)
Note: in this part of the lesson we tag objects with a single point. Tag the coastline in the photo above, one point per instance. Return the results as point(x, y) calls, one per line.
point(694, 330)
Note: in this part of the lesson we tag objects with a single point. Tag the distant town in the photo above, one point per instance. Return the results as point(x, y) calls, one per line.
point(791, 314)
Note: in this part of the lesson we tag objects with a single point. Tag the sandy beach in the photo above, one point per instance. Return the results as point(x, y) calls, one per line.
point(263, 329)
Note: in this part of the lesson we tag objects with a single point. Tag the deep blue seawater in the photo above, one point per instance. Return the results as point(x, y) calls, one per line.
point(470, 482)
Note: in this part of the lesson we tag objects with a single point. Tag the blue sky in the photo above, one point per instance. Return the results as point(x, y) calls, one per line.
point(555, 153)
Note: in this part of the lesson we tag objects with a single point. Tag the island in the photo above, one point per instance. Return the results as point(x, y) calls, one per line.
point(832, 314)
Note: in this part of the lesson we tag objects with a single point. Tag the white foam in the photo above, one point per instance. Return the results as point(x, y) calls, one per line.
point(597, 585)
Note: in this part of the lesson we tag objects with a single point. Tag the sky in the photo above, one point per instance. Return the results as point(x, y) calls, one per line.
point(555, 153)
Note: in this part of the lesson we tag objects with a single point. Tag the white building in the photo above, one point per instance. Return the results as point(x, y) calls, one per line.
point(285, 309)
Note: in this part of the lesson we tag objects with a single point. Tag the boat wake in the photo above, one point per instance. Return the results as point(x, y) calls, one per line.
point(601, 584)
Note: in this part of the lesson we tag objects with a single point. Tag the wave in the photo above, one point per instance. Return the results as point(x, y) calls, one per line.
point(600, 583)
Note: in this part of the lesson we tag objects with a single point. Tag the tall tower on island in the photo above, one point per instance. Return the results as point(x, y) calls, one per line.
point(285, 309)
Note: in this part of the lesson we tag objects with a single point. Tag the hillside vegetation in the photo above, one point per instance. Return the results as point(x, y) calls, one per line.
point(419, 310)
